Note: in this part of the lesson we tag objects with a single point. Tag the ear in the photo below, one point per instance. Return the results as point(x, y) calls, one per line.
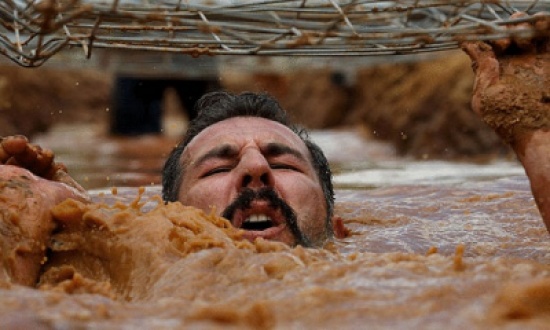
point(340, 230)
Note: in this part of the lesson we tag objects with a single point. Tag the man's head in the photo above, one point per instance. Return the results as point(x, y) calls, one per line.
point(242, 156)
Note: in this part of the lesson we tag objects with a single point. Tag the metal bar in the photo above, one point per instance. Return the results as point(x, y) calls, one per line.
point(33, 31)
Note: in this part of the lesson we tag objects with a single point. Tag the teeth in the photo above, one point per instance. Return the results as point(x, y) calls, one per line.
point(258, 218)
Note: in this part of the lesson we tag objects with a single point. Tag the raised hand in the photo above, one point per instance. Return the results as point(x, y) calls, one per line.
point(16, 150)
point(512, 84)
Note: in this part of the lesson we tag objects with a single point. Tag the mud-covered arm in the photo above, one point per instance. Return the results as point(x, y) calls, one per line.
point(512, 95)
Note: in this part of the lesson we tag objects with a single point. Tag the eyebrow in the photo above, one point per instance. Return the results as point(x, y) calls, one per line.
point(225, 151)
point(274, 149)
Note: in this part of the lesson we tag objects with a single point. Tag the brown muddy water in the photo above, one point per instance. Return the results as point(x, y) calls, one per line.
point(433, 245)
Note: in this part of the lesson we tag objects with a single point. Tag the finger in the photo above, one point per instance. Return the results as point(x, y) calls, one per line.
point(501, 45)
point(486, 67)
point(473, 50)
point(542, 23)
point(12, 161)
point(521, 40)
point(54, 171)
point(542, 26)
point(483, 59)
point(525, 41)
point(4, 156)
point(43, 162)
point(13, 145)
point(63, 177)
point(27, 158)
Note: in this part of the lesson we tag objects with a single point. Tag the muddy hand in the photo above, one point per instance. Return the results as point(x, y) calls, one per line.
point(16, 150)
point(512, 85)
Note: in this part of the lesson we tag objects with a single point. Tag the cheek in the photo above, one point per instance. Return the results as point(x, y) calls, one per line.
point(304, 195)
point(207, 194)
point(309, 204)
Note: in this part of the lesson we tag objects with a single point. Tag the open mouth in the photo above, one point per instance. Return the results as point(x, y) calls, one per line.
point(259, 216)
point(257, 222)
point(260, 220)
point(263, 214)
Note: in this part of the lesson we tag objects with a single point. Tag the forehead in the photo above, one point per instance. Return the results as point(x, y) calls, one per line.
point(244, 130)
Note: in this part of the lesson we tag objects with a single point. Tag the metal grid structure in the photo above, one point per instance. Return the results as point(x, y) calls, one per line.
point(31, 31)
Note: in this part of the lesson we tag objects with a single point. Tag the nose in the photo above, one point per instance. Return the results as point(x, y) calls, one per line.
point(255, 171)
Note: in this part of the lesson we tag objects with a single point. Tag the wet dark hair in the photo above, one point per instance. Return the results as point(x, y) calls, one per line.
point(218, 106)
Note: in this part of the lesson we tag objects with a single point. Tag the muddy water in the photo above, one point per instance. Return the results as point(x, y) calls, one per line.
point(433, 245)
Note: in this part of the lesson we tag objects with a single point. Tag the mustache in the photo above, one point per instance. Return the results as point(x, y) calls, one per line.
point(244, 200)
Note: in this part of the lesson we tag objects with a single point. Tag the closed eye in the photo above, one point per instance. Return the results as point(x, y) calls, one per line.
point(277, 166)
point(216, 171)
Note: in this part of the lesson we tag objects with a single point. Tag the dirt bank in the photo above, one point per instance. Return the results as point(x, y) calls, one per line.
point(315, 98)
point(423, 108)
point(31, 100)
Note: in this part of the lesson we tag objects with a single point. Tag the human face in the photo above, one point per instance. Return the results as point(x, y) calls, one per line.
point(249, 169)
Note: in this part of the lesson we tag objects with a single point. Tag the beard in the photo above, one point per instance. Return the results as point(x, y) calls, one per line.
point(244, 200)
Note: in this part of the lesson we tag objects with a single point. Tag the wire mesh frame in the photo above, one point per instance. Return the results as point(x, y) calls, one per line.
point(31, 31)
